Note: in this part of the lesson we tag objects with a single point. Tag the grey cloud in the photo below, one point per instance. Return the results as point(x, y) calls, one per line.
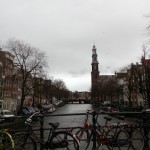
point(67, 29)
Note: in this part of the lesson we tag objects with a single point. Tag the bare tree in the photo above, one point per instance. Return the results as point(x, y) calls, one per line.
point(60, 87)
point(29, 60)
point(76, 95)
point(127, 80)
point(140, 77)
point(144, 84)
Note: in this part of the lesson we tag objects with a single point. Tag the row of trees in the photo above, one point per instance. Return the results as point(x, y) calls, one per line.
point(107, 89)
point(32, 65)
point(140, 78)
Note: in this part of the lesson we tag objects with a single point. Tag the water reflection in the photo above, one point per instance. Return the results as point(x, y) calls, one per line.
point(74, 108)
point(70, 121)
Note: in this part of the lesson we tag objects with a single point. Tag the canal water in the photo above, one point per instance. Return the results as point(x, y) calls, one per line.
point(70, 120)
point(78, 120)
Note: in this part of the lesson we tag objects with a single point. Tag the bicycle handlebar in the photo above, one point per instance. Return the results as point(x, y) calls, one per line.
point(29, 119)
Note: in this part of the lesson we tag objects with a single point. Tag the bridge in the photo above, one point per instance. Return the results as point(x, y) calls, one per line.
point(79, 101)
point(144, 141)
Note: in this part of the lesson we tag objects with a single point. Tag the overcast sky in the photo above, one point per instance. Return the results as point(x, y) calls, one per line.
point(67, 29)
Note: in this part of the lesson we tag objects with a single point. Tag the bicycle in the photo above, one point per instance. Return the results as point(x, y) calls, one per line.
point(97, 136)
point(114, 137)
point(6, 141)
point(56, 139)
point(127, 136)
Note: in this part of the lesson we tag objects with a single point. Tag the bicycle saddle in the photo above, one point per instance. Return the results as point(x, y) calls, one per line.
point(54, 125)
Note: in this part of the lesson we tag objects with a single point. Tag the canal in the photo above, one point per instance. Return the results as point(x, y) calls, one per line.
point(69, 121)
point(77, 120)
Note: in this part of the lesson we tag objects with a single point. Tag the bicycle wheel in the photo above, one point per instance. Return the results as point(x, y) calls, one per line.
point(112, 139)
point(88, 139)
point(6, 141)
point(136, 140)
point(22, 141)
point(64, 141)
point(122, 139)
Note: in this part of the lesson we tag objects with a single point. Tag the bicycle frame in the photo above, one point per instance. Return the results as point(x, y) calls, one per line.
point(60, 136)
point(118, 126)
point(95, 132)
point(31, 133)
point(85, 125)
point(103, 131)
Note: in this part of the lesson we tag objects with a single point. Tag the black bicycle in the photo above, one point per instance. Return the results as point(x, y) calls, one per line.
point(56, 139)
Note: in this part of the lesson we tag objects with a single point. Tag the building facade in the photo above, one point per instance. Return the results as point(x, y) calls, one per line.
point(6, 80)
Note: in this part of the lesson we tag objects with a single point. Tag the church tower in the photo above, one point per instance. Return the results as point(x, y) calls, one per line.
point(95, 70)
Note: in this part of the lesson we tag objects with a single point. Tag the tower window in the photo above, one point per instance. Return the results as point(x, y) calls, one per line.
point(95, 68)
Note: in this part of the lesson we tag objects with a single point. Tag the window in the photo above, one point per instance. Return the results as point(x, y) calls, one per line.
point(2, 83)
point(1, 93)
point(95, 68)
point(1, 104)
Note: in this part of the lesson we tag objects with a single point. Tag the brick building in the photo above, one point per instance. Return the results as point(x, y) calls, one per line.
point(6, 86)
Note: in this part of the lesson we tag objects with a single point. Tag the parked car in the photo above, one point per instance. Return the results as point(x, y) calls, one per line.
point(27, 110)
point(58, 103)
point(36, 109)
point(61, 103)
point(7, 115)
point(51, 108)
point(43, 106)
point(23, 112)
point(30, 109)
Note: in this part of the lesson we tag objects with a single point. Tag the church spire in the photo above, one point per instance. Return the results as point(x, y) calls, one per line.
point(94, 55)
point(95, 70)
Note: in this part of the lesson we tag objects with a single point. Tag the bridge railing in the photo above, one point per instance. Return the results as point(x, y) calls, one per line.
point(145, 117)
